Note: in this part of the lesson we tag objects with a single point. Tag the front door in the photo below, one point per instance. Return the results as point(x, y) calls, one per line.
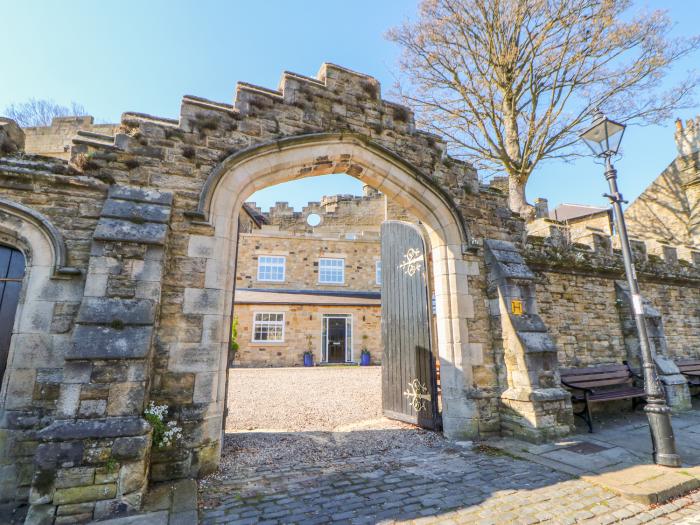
point(409, 384)
point(11, 275)
point(337, 339)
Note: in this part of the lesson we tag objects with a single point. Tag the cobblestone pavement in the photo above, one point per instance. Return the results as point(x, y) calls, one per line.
point(446, 484)
point(381, 471)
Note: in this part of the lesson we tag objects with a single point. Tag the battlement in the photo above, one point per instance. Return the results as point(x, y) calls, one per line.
point(353, 102)
point(56, 140)
point(592, 247)
point(688, 137)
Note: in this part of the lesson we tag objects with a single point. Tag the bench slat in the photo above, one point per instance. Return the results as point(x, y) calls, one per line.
point(593, 370)
point(615, 394)
point(587, 377)
point(592, 385)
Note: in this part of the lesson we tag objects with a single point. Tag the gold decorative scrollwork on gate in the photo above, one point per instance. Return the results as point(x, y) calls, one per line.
point(412, 262)
point(418, 395)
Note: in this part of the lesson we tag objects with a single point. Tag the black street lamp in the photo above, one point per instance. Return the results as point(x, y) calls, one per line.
point(603, 138)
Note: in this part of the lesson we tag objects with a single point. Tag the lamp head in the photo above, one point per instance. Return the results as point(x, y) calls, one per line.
point(604, 136)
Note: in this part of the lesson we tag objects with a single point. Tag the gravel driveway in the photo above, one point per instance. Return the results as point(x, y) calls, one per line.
point(303, 399)
point(293, 416)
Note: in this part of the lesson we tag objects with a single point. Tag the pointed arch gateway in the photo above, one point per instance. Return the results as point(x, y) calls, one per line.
point(243, 173)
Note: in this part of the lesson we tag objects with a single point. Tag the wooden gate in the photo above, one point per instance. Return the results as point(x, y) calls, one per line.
point(409, 390)
point(11, 275)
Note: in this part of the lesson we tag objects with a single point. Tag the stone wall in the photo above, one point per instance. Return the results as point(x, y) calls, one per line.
point(577, 298)
point(56, 140)
point(302, 321)
point(302, 254)
point(340, 215)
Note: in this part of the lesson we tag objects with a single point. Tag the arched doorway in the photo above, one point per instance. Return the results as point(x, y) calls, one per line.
point(12, 265)
point(243, 173)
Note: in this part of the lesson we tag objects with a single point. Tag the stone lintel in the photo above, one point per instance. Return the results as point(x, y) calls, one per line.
point(103, 310)
point(66, 429)
point(101, 342)
point(118, 230)
point(130, 193)
point(129, 210)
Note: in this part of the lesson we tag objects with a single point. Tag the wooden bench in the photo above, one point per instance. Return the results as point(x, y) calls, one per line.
point(690, 368)
point(599, 384)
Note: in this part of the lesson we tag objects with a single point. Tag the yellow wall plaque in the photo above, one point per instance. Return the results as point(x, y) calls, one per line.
point(516, 306)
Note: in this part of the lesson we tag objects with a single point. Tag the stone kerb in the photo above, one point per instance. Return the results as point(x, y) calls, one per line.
point(534, 406)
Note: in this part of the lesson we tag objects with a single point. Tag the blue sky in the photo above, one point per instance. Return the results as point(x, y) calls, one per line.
point(145, 55)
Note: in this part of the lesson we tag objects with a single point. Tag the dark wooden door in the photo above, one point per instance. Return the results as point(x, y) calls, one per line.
point(336, 339)
point(11, 275)
point(408, 366)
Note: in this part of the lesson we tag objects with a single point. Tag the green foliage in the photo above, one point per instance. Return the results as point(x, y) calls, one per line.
point(234, 346)
point(158, 428)
point(111, 465)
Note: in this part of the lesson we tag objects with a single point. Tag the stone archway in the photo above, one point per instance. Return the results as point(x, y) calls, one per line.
point(241, 174)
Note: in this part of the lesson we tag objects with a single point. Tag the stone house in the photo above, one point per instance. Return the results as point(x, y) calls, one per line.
point(310, 281)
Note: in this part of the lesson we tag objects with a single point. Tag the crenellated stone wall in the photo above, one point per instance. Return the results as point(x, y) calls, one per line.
point(579, 301)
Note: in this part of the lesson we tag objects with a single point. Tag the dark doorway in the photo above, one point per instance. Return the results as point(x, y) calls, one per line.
point(336, 332)
point(11, 275)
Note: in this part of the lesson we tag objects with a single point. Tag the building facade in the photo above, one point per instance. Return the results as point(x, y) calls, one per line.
point(310, 281)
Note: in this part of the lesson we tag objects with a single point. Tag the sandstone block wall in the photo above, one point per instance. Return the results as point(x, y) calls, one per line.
point(56, 140)
point(668, 211)
point(577, 298)
point(302, 255)
point(302, 321)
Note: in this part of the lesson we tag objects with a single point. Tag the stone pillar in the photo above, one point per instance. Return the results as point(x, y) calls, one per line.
point(675, 383)
point(534, 407)
point(92, 461)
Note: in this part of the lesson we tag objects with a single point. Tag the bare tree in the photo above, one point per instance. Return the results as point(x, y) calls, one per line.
point(40, 112)
point(512, 82)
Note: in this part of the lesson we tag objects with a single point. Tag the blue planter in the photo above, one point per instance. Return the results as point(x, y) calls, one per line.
point(308, 360)
point(364, 359)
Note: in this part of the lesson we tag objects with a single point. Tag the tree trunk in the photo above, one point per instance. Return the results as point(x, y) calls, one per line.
point(516, 181)
point(517, 200)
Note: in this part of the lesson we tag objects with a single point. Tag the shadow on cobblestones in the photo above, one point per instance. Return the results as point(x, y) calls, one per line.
point(368, 476)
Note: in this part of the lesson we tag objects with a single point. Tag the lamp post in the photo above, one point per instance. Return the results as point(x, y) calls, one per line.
point(603, 138)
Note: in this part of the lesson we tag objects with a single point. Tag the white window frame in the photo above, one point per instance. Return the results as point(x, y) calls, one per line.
point(273, 264)
point(342, 269)
point(256, 322)
point(378, 273)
